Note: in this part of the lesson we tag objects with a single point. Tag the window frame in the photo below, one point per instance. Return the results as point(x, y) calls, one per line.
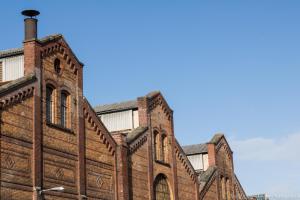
point(1, 71)
point(50, 104)
point(162, 190)
point(65, 109)
point(164, 148)
point(157, 148)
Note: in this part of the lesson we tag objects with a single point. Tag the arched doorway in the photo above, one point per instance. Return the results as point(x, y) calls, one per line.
point(161, 188)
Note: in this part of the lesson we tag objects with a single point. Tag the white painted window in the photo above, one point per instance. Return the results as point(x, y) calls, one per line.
point(199, 161)
point(205, 162)
point(12, 68)
point(118, 121)
point(136, 119)
point(121, 121)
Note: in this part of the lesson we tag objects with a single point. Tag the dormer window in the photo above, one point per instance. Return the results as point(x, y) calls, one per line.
point(50, 104)
point(64, 109)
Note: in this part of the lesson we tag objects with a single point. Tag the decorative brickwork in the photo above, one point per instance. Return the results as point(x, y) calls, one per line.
point(16, 97)
point(75, 150)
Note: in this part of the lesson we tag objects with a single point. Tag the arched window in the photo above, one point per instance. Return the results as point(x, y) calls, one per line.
point(228, 189)
point(50, 104)
point(161, 188)
point(64, 109)
point(157, 145)
point(164, 148)
point(223, 188)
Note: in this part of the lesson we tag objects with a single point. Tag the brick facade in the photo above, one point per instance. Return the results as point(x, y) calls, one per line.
point(38, 154)
point(82, 155)
point(221, 182)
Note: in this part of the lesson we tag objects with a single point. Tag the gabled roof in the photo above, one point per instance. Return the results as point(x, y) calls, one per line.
point(16, 83)
point(153, 94)
point(184, 159)
point(126, 105)
point(11, 52)
point(98, 126)
point(43, 41)
point(135, 133)
point(20, 51)
point(206, 175)
point(240, 188)
point(206, 179)
point(195, 149)
point(115, 107)
point(216, 139)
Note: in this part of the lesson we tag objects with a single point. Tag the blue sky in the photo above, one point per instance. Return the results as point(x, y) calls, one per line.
point(224, 66)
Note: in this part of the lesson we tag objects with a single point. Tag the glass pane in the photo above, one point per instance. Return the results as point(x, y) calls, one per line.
point(63, 109)
point(49, 104)
point(162, 191)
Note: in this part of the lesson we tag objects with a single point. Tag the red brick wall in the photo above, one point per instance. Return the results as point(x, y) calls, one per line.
point(16, 151)
point(224, 164)
point(162, 123)
point(99, 166)
point(138, 173)
point(60, 147)
point(36, 153)
point(186, 184)
point(212, 192)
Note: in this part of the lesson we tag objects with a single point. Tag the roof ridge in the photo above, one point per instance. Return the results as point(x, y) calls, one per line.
point(118, 106)
point(216, 138)
point(195, 149)
point(11, 52)
point(194, 145)
point(115, 103)
point(135, 133)
point(20, 50)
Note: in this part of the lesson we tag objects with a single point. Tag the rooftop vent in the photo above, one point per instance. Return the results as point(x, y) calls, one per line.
point(30, 23)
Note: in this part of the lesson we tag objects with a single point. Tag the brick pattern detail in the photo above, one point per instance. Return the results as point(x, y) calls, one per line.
point(187, 166)
point(98, 127)
point(138, 171)
point(16, 149)
point(210, 191)
point(16, 97)
point(61, 47)
point(84, 157)
point(138, 142)
point(220, 156)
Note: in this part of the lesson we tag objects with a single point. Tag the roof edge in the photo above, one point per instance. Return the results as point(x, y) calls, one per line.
point(6, 88)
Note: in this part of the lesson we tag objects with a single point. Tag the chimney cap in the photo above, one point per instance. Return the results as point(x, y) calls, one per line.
point(30, 13)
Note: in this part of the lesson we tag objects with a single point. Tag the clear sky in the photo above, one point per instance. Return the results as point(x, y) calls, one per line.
point(223, 66)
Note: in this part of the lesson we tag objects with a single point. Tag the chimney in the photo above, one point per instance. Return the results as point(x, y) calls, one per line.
point(30, 24)
point(32, 60)
point(212, 160)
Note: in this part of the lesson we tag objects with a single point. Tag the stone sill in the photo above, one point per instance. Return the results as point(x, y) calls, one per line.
point(163, 163)
point(59, 127)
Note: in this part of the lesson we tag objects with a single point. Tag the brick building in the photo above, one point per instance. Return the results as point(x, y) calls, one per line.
point(213, 162)
point(51, 136)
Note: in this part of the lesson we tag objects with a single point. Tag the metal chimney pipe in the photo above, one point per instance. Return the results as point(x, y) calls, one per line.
point(30, 24)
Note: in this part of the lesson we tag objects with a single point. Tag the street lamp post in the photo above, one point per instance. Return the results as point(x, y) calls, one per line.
point(40, 191)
